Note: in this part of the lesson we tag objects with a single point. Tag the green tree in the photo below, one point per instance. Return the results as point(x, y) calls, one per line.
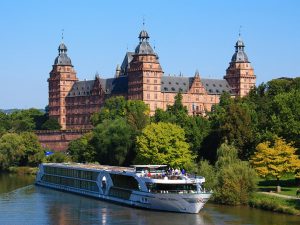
point(275, 160)
point(113, 108)
point(114, 142)
point(285, 117)
point(208, 171)
point(33, 151)
point(137, 114)
point(81, 150)
point(11, 150)
point(236, 180)
point(164, 143)
point(51, 124)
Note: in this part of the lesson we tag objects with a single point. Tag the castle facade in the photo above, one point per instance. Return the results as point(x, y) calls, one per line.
point(140, 77)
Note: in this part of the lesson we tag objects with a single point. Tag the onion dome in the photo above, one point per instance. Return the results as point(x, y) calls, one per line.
point(239, 55)
point(144, 47)
point(62, 58)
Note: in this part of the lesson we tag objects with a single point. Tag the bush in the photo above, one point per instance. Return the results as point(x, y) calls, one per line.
point(235, 184)
point(57, 157)
point(208, 171)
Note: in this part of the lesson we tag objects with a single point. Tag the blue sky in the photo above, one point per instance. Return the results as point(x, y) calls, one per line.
point(188, 35)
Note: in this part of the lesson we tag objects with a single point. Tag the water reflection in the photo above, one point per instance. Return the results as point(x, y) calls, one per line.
point(39, 205)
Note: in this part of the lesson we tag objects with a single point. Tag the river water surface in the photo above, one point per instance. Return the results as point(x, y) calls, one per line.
point(21, 202)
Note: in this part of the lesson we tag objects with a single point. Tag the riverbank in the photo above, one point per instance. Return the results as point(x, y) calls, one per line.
point(23, 170)
point(275, 203)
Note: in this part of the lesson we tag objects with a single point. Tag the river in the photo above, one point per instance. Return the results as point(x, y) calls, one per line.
point(21, 202)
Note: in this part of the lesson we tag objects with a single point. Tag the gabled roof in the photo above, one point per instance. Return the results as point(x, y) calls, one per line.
point(110, 86)
point(115, 85)
point(183, 84)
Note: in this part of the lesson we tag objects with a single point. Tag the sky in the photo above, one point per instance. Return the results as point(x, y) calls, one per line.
point(188, 35)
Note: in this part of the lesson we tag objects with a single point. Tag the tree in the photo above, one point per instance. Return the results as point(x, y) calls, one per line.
point(81, 149)
point(236, 180)
point(208, 171)
point(136, 112)
point(113, 108)
point(114, 142)
point(33, 151)
point(11, 150)
point(57, 157)
point(164, 143)
point(51, 124)
point(275, 160)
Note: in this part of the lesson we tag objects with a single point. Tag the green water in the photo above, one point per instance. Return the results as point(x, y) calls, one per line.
point(21, 202)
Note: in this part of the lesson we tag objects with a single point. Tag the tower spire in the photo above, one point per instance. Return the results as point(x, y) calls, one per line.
point(240, 30)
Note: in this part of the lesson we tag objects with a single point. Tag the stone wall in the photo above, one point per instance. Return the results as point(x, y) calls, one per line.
point(58, 140)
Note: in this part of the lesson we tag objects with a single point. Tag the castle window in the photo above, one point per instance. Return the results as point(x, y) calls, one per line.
point(177, 83)
point(148, 88)
point(220, 85)
point(155, 81)
point(217, 91)
point(150, 65)
point(148, 96)
point(169, 82)
point(173, 89)
point(155, 96)
point(210, 90)
point(155, 88)
point(206, 85)
point(165, 88)
point(162, 82)
point(180, 89)
point(148, 81)
point(214, 85)
point(184, 83)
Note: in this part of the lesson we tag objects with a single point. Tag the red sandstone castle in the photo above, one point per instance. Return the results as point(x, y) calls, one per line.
point(140, 77)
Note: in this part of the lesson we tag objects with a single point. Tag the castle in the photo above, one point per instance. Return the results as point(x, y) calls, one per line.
point(140, 77)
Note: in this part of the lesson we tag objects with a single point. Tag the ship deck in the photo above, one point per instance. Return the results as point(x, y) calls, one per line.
point(91, 166)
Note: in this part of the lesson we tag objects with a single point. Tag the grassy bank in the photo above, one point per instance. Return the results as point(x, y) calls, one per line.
point(23, 170)
point(275, 204)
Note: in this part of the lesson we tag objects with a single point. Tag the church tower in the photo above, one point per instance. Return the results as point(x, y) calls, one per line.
point(240, 74)
point(144, 75)
point(62, 78)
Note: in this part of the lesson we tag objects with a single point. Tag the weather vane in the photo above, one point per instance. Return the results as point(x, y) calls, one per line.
point(240, 30)
point(62, 35)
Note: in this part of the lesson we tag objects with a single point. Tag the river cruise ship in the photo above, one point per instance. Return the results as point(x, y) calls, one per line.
point(145, 186)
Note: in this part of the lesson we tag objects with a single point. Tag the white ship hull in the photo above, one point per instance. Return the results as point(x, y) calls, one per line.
point(175, 202)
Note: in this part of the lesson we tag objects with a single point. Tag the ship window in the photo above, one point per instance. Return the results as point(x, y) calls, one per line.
point(124, 181)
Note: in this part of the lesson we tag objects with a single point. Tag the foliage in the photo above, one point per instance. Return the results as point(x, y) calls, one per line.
point(81, 149)
point(236, 180)
point(235, 122)
point(57, 157)
point(113, 142)
point(227, 155)
point(164, 143)
point(208, 171)
point(276, 159)
point(135, 112)
point(20, 150)
point(51, 124)
point(196, 128)
point(11, 150)
point(33, 153)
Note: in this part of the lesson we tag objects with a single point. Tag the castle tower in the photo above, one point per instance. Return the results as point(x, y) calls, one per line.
point(62, 78)
point(144, 75)
point(240, 74)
